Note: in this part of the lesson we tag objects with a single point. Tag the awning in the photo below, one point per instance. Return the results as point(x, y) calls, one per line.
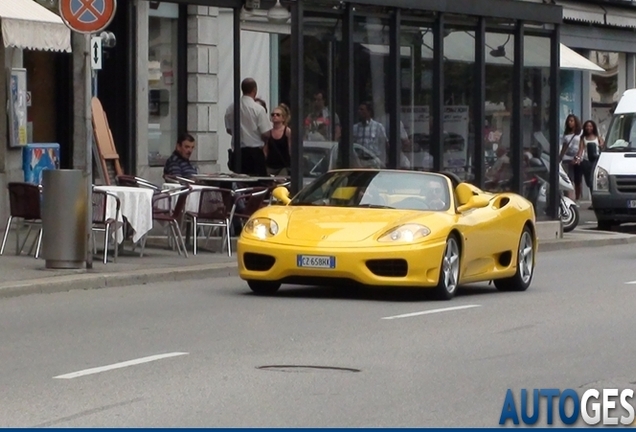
point(460, 46)
point(28, 25)
point(581, 12)
point(620, 17)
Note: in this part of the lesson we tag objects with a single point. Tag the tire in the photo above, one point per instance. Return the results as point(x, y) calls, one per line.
point(449, 270)
point(570, 220)
point(263, 287)
point(605, 225)
point(525, 265)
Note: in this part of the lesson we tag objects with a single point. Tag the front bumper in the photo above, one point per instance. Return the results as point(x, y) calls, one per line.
point(415, 265)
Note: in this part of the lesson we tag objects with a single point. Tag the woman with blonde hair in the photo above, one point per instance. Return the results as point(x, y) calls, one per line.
point(278, 147)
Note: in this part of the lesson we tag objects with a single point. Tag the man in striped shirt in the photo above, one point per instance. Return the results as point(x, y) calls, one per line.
point(178, 164)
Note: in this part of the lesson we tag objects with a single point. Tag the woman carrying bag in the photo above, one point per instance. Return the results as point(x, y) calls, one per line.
point(590, 151)
point(570, 153)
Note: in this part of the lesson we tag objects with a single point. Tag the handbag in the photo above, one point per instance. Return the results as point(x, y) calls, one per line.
point(592, 151)
point(230, 159)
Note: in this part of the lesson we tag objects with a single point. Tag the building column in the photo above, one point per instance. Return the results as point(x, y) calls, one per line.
point(203, 85)
point(631, 70)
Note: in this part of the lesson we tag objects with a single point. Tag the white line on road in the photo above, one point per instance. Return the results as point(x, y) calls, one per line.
point(630, 283)
point(432, 311)
point(119, 365)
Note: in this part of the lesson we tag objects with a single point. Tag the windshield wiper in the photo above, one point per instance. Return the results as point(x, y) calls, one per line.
point(378, 206)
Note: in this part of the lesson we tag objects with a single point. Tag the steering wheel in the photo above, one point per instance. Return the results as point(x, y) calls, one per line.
point(415, 203)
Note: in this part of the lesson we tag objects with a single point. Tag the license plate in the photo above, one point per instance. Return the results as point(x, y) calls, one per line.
point(631, 203)
point(313, 261)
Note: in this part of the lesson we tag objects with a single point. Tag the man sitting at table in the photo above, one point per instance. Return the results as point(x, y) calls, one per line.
point(178, 164)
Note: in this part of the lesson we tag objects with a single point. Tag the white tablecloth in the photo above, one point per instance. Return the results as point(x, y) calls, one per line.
point(136, 207)
point(192, 203)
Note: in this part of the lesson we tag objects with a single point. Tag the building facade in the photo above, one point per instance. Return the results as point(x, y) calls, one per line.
point(460, 78)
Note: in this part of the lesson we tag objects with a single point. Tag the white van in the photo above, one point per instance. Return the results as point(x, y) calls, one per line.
point(614, 176)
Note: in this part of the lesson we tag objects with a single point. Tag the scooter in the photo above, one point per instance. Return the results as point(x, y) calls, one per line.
point(568, 209)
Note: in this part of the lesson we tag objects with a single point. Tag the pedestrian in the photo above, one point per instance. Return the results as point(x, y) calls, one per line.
point(255, 131)
point(570, 153)
point(278, 147)
point(590, 151)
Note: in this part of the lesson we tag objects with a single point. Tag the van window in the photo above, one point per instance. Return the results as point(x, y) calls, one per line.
point(622, 133)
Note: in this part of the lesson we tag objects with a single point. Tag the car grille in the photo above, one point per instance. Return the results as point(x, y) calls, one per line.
point(258, 262)
point(626, 183)
point(388, 267)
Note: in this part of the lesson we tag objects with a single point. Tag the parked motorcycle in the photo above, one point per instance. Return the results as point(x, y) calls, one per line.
point(540, 168)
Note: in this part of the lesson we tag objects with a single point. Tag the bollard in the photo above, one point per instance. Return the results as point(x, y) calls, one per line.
point(64, 208)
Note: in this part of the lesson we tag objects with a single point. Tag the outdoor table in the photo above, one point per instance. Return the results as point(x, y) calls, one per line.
point(136, 207)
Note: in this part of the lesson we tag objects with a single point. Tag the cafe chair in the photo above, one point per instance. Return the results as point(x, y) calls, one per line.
point(174, 216)
point(134, 181)
point(214, 210)
point(101, 223)
point(24, 206)
point(247, 201)
point(178, 179)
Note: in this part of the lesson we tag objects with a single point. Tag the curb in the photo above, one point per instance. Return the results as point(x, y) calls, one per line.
point(564, 244)
point(88, 281)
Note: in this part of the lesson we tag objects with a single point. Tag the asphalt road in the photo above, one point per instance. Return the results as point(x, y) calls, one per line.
point(571, 329)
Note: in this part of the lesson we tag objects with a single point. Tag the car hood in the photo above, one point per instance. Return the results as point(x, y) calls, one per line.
point(618, 163)
point(349, 225)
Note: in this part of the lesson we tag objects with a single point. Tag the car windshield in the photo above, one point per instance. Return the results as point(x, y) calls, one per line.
point(377, 189)
point(622, 134)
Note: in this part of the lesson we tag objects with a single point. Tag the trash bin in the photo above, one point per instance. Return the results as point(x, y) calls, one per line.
point(64, 213)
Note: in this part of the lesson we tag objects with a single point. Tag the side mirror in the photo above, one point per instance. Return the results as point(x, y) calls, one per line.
point(475, 202)
point(281, 194)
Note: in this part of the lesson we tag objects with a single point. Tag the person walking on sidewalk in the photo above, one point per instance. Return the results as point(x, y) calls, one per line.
point(255, 130)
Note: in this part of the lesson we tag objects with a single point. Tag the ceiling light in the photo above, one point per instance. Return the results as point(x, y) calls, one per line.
point(278, 14)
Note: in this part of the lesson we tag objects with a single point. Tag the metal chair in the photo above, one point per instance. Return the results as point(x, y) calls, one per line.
point(24, 204)
point(101, 223)
point(173, 217)
point(215, 209)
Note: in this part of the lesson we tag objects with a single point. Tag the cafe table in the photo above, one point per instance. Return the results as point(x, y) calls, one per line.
point(136, 207)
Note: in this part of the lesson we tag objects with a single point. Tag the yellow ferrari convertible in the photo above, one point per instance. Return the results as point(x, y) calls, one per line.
point(390, 228)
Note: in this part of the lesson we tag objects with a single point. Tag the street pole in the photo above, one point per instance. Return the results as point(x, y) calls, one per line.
point(88, 170)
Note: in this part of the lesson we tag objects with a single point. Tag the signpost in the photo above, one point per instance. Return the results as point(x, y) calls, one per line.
point(89, 17)
point(96, 53)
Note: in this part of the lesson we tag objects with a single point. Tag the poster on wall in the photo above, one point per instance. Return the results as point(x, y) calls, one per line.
point(456, 137)
point(17, 107)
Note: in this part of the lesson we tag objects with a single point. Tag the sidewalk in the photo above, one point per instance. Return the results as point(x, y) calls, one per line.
point(22, 275)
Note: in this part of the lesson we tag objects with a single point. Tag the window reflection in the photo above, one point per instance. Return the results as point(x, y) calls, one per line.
point(416, 40)
point(498, 109)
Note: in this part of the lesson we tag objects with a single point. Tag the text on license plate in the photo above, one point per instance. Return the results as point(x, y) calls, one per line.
point(631, 203)
point(327, 262)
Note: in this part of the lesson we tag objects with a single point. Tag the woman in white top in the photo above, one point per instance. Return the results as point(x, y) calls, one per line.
point(590, 151)
point(570, 153)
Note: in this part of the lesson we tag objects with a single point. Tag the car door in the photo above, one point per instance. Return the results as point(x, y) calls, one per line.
point(479, 226)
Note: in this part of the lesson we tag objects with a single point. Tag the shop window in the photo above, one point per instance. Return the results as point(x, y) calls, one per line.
point(498, 108)
point(163, 117)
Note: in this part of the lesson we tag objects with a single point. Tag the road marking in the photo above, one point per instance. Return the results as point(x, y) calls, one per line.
point(119, 365)
point(630, 283)
point(432, 311)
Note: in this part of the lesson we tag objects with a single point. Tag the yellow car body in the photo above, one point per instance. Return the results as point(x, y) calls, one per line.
point(315, 245)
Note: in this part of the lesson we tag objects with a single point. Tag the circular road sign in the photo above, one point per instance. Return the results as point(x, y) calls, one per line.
point(87, 16)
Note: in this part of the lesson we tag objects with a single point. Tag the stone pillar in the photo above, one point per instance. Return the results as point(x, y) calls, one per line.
point(203, 85)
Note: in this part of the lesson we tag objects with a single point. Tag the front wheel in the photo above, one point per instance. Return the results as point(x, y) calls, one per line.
point(263, 287)
point(569, 217)
point(525, 265)
point(449, 271)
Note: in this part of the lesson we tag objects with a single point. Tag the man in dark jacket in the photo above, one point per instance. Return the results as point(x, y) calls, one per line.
point(178, 164)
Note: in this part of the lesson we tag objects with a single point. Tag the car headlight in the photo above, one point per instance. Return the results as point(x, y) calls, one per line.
point(602, 180)
point(405, 233)
point(261, 227)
